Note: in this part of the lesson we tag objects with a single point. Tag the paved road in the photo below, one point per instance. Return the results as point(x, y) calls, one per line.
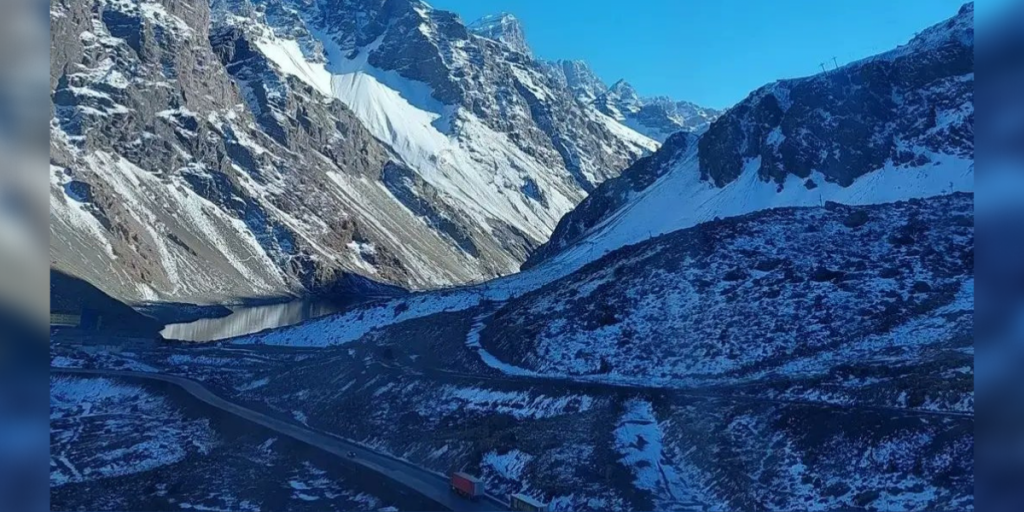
point(424, 482)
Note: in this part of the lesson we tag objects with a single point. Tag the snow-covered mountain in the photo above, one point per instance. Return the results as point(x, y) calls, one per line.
point(724, 356)
point(658, 117)
point(774, 315)
point(204, 153)
point(729, 341)
point(812, 286)
point(895, 126)
point(680, 206)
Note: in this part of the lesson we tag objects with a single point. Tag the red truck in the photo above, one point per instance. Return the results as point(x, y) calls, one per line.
point(467, 486)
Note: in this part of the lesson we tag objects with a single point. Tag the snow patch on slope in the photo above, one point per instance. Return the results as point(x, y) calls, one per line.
point(101, 429)
point(473, 343)
point(639, 439)
point(681, 200)
point(510, 465)
point(624, 130)
point(519, 404)
point(480, 169)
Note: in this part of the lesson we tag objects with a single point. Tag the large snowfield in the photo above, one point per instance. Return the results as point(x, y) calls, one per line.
point(481, 168)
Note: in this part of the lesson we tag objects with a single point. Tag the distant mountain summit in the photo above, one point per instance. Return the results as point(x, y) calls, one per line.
point(658, 117)
point(505, 28)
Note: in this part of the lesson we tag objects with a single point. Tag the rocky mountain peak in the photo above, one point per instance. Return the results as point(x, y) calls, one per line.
point(578, 76)
point(619, 101)
point(623, 91)
point(503, 27)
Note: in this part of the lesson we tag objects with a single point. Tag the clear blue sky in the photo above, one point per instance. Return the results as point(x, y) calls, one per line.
point(712, 52)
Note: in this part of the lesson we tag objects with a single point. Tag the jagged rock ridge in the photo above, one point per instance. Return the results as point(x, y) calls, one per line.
point(502, 27)
point(658, 118)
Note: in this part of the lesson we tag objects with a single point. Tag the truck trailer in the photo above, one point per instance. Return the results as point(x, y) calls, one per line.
point(467, 486)
point(524, 503)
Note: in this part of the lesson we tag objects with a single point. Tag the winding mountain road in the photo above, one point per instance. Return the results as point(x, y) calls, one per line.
point(421, 481)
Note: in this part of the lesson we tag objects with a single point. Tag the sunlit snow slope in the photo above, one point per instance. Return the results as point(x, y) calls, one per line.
point(480, 168)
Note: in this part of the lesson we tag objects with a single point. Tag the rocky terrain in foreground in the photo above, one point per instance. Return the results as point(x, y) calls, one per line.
point(778, 292)
point(121, 446)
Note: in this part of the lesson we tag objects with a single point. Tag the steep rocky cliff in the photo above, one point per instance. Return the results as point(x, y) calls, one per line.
point(210, 152)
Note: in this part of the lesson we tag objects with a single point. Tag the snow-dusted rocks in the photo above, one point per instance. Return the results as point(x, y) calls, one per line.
point(502, 27)
point(190, 195)
point(118, 445)
point(780, 292)
point(578, 77)
point(693, 338)
point(657, 118)
point(906, 108)
point(613, 195)
point(806, 357)
point(87, 415)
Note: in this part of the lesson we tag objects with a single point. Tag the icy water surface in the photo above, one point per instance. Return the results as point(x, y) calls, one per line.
point(249, 319)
